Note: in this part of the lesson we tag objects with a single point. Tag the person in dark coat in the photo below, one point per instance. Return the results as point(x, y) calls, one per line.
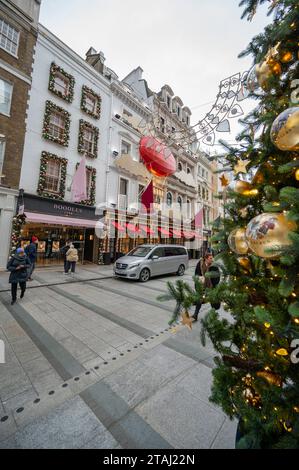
point(204, 266)
point(31, 252)
point(63, 252)
point(19, 267)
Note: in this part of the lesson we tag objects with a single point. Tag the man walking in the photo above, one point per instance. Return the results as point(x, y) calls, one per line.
point(31, 252)
point(19, 266)
point(204, 266)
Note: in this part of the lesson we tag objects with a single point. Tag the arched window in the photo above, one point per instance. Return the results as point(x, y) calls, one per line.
point(180, 166)
point(180, 202)
point(188, 170)
point(169, 199)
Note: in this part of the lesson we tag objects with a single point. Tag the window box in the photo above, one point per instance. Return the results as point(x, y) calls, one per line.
point(56, 124)
point(91, 102)
point(88, 139)
point(52, 175)
point(61, 83)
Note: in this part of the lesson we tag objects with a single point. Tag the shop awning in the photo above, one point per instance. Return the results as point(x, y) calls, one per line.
point(133, 228)
point(189, 234)
point(147, 230)
point(178, 233)
point(119, 227)
point(56, 220)
point(164, 231)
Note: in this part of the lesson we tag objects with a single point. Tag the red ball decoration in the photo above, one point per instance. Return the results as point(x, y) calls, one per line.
point(157, 158)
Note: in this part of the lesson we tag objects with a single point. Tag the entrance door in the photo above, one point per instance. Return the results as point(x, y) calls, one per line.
point(88, 247)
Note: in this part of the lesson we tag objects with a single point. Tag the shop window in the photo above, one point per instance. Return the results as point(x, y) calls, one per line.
point(52, 176)
point(9, 38)
point(5, 96)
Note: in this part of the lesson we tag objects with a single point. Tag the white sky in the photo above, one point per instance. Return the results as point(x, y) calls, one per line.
point(189, 44)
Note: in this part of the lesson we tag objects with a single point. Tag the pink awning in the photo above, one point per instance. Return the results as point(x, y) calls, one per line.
point(177, 233)
point(133, 228)
point(164, 231)
point(147, 230)
point(57, 220)
point(119, 227)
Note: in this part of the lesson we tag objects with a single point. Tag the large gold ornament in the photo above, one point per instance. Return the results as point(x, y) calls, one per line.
point(237, 241)
point(269, 231)
point(245, 188)
point(245, 263)
point(297, 174)
point(272, 379)
point(268, 67)
point(285, 130)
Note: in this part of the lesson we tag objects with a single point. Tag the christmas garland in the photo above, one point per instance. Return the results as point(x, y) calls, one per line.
point(88, 91)
point(86, 125)
point(71, 82)
point(92, 199)
point(46, 156)
point(50, 107)
point(17, 223)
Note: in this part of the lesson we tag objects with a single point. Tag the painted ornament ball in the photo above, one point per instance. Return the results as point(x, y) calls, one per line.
point(269, 231)
point(285, 130)
point(237, 241)
point(157, 157)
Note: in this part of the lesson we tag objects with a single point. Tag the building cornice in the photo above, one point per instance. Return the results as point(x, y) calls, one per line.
point(52, 43)
point(130, 100)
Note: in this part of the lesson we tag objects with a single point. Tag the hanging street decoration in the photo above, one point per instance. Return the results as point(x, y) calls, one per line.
point(224, 181)
point(157, 158)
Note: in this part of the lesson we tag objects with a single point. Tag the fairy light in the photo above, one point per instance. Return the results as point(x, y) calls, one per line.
point(282, 352)
point(267, 325)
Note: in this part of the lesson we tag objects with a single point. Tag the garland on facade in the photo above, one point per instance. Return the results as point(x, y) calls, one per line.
point(86, 125)
point(50, 108)
point(54, 69)
point(88, 91)
point(92, 198)
point(46, 156)
point(18, 222)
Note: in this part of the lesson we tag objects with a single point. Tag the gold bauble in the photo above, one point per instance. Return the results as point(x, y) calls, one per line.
point(245, 263)
point(286, 56)
point(242, 186)
point(265, 70)
point(272, 379)
point(237, 241)
point(269, 231)
point(285, 130)
point(263, 172)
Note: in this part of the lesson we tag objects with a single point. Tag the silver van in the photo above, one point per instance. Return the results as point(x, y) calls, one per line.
point(146, 261)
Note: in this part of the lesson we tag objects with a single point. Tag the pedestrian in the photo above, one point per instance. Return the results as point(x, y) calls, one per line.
point(63, 252)
point(31, 252)
point(19, 267)
point(204, 266)
point(71, 258)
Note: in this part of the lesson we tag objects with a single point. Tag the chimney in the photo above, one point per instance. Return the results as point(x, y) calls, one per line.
point(96, 60)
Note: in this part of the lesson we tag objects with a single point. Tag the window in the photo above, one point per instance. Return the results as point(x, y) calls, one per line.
point(180, 202)
point(61, 84)
point(162, 124)
point(9, 38)
point(169, 199)
point(179, 111)
point(180, 168)
point(91, 103)
point(2, 151)
point(123, 186)
point(168, 101)
point(125, 148)
point(123, 194)
point(199, 191)
point(88, 140)
point(140, 191)
point(158, 252)
point(173, 129)
point(187, 120)
point(52, 176)
point(57, 125)
point(207, 195)
point(5, 96)
point(188, 170)
point(188, 208)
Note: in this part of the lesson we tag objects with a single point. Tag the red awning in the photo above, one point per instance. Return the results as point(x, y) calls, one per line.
point(147, 230)
point(133, 228)
point(177, 233)
point(56, 220)
point(119, 227)
point(164, 231)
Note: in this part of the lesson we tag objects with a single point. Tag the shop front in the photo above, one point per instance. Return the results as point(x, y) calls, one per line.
point(56, 222)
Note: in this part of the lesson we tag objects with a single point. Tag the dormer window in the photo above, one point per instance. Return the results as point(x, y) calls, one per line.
point(179, 112)
point(168, 100)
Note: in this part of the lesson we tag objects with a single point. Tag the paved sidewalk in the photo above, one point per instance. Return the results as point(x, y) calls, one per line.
point(94, 364)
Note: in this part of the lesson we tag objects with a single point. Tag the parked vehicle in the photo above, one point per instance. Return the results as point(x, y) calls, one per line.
point(146, 261)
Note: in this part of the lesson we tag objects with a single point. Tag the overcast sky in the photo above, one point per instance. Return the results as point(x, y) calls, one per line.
point(189, 44)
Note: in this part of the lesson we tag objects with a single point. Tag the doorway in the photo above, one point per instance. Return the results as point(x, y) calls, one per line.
point(88, 246)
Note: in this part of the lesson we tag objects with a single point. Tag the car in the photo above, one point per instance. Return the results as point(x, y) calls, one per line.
point(146, 261)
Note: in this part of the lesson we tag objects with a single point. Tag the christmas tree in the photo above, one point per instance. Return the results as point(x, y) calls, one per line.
point(256, 378)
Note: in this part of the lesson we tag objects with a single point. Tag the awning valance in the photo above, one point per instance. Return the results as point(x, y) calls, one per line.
point(56, 220)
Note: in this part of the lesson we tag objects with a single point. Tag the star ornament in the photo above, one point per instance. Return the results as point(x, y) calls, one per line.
point(224, 181)
point(240, 167)
point(186, 320)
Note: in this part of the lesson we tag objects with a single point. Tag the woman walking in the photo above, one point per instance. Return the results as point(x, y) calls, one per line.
point(19, 266)
point(71, 258)
point(204, 266)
